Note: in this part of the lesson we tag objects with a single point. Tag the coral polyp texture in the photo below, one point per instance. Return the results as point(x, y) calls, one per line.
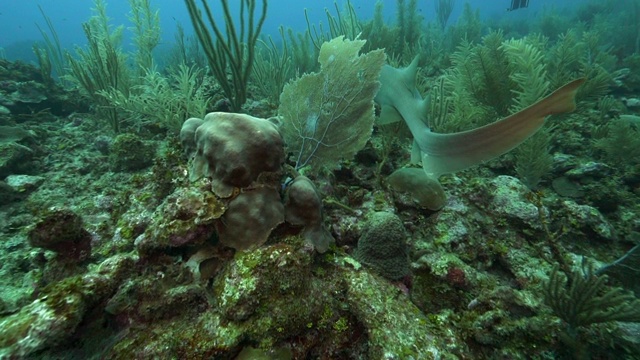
point(188, 135)
point(241, 156)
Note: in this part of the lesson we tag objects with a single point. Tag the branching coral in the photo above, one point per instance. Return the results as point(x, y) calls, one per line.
point(479, 77)
point(162, 101)
point(233, 48)
point(620, 143)
point(527, 70)
point(146, 29)
point(102, 66)
point(273, 68)
point(585, 299)
point(343, 24)
point(443, 11)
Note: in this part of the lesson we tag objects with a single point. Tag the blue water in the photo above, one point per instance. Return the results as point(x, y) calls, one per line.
point(19, 20)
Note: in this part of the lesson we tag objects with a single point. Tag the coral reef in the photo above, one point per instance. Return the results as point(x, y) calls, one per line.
point(130, 153)
point(303, 226)
point(250, 218)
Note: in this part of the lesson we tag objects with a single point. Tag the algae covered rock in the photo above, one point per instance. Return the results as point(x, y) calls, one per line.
point(8, 194)
point(511, 200)
point(62, 231)
point(130, 153)
point(24, 183)
point(13, 133)
point(396, 328)
point(39, 325)
point(588, 220)
point(250, 218)
point(25, 92)
point(185, 218)
point(260, 277)
point(426, 191)
point(55, 315)
point(14, 158)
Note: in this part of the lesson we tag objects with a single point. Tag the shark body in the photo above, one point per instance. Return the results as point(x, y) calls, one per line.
point(447, 153)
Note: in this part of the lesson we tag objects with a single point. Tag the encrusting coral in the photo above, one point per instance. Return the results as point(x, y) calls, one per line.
point(242, 157)
point(188, 135)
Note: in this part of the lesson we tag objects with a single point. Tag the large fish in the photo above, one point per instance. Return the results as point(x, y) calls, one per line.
point(447, 153)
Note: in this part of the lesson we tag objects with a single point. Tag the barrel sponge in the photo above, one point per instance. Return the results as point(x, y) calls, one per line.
point(382, 245)
point(234, 149)
point(250, 218)
point(303, 207)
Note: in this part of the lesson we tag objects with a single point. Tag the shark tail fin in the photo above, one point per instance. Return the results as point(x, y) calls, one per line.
point(446, 153)
point(562, 100)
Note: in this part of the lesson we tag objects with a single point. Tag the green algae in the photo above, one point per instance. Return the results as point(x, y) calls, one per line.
point(129, 152)
point(15, 328)
point(56, 314)
point(396, 328)
point(193, 336)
